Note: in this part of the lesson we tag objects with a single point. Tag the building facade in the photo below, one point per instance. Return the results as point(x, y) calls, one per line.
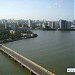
point(63, 24)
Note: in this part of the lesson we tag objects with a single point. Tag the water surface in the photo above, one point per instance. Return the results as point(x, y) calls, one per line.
point(54, 50)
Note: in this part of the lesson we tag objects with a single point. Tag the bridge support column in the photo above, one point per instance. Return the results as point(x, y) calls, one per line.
point(9, 56)
point(5, 53)
point(31, 72)
point(23, 66)
point(15, 60)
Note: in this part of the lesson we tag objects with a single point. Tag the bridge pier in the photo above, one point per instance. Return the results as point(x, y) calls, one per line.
point(32, 73)
point(3, 52)
point(23, 66)
point(15, 60)
point(9, 56)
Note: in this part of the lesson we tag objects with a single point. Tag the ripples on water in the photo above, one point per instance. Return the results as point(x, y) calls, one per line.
point(53, 50)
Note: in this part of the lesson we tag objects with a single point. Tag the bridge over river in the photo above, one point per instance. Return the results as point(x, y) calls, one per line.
point(32, 66)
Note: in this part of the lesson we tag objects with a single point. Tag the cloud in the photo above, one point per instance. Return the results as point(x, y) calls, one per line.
point(58, 4)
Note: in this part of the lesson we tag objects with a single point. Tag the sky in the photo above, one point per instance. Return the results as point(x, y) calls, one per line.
point(37, 9)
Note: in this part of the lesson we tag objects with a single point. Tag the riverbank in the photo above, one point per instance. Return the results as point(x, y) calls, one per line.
point(16, 39)
point(58, 29)
point(14, 35)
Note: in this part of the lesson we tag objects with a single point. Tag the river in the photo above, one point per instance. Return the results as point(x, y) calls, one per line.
point(54, 50)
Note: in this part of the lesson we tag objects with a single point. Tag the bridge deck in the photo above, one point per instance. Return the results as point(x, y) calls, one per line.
point(33, 67)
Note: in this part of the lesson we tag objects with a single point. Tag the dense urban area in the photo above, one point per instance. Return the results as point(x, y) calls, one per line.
point(11, 30)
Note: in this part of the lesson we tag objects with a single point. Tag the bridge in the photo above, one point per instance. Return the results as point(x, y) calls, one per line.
point(25, 62)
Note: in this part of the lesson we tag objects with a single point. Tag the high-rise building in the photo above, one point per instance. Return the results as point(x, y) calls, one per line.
point(73, 22)
point(29, 23)
point(52, 24)
point(69, 24)
point(22, 26)
point(64, 24)
point(43, 24)
point(48, 23)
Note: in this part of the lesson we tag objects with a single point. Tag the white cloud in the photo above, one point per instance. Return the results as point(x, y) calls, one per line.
point(57, 3)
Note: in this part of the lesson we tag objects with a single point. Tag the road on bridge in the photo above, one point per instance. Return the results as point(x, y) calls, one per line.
point(33, 67)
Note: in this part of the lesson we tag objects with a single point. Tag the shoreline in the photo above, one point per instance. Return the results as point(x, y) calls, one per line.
point(12, 40)
point(55, 29)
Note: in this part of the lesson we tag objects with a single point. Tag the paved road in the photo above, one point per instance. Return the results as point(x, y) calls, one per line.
point(35, 68)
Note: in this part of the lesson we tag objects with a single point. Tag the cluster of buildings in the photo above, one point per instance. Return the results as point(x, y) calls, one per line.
point(63, 24)
point(36, 24)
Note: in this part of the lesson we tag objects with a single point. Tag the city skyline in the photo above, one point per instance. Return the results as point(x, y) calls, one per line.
point(37, 9)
